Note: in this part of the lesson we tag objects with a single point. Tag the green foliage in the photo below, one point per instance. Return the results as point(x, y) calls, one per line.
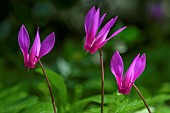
point(116, 103)
point(14, 99)
point(162, 108)
point(160, 99)
point(128, 107)
point(43, 107)
point(81, 104)
point(97, 110)
point(59, 85)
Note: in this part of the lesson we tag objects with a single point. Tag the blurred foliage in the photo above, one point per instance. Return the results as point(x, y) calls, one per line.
point(75, 75)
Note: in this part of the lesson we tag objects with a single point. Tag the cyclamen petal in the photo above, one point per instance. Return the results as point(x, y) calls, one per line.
point(47, 45)
point(117, 64)
point(94, 40)
point(140, 66)
point(135, 70)
point(90, 14)
point(107, 26)
point(100, 42)
point(116, 33)
point(95, 23)
point(131, 70)
point(36, 51)
point(97, 43)
point(101, 19)
point(117, 67)
point(24, 41)
point(89, 19)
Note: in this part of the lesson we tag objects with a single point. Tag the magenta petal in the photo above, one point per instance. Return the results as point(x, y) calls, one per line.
point(96, 44)
point(116, 33)
point(89, 15)
point(117, 64)
point(89, 23)
point(101, 19)
point(128, 78)
point(134, 71)
point(89, 19)
point(139, 66)
point(100, 42)
point(117, 67)
point(107, 27)
point(47, 45)
point(35, 49)
point(93, 30)
point(95, 23)
point(24, 41)
point(129, 75)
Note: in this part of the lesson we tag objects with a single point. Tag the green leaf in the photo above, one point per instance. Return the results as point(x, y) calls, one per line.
point(126, 106)
point(162, 109)
point(159, 99)
point(109, 98)
point(129, 107)
point(43, 107)
point(58, 82)
point(19, 105)
point(15, 99)
point(8, 91)
point(97, 110)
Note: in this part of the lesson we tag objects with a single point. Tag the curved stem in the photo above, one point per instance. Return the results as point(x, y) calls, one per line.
point(49, 87)
point(102, 80)
point(142, 98)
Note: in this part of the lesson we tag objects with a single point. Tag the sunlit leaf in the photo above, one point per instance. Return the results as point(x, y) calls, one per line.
point(128, 107)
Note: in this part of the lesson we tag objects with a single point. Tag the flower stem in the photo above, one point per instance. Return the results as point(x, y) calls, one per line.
point(49, 87)
point(102, 80)
point(142, 98)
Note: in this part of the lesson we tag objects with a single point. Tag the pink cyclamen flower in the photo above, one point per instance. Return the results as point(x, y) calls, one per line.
point(94, 40)
point(37, 50)
point(135, 70)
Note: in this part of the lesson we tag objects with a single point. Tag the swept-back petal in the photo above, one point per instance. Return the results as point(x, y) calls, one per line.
point(135, 69)
point(129, 75)
point(117, 67)
point(117, 32)
point(128, 78)
point(89, 19)
point(101, 19)
point(35, 49)
point(107, 27)
point(24, 41)
point(139, 67)
point(95, 23)
point(88, 24)
point(47, 45)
